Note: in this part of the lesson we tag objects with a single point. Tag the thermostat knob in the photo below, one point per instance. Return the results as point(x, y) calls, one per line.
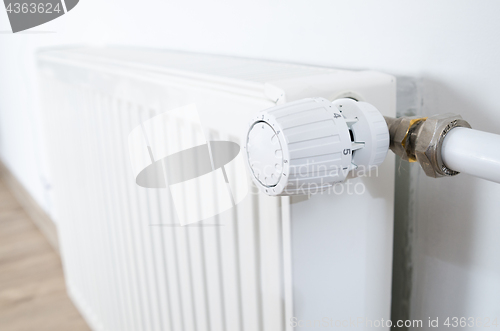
point(309, 145)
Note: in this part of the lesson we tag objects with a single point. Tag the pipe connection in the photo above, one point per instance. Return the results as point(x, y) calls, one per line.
point(420, 139)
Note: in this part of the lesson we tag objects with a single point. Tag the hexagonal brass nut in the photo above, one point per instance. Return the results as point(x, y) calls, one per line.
point(398, 131)
point(429, 141)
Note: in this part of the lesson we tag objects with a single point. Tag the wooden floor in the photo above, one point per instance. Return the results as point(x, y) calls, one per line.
point(32, 291)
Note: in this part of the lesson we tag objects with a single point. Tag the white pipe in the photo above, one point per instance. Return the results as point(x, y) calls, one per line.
point(473, 152)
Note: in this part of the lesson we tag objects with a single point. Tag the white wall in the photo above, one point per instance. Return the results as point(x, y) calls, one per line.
point(452, 46)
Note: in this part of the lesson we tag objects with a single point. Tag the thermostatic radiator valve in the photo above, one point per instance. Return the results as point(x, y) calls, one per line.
point(309, 145)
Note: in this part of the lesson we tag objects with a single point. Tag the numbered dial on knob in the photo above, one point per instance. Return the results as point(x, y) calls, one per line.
point(266, 154)
point(309, 145)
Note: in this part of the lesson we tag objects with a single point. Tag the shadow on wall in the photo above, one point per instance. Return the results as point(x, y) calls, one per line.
point(434, 230)
point(409, 103)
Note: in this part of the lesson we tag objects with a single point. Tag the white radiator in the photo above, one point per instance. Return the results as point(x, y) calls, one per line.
point(130, 266)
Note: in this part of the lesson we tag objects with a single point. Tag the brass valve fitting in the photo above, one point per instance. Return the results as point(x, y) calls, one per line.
point(419, 139)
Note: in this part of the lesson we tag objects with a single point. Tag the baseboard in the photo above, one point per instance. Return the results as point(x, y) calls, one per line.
point(41, 219)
